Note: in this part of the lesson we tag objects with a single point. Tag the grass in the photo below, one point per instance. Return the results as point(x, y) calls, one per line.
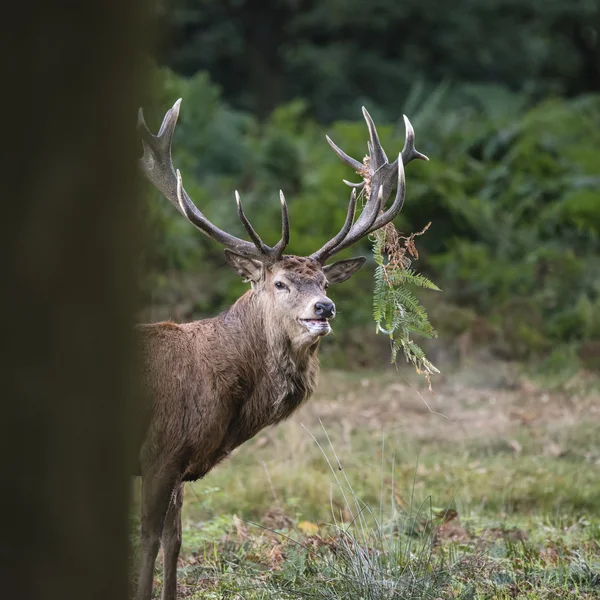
point(377, 489)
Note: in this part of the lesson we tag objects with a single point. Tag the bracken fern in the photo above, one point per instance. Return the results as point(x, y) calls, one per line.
point(396, 310)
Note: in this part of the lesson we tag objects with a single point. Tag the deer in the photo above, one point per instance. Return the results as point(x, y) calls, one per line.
point(213, 384)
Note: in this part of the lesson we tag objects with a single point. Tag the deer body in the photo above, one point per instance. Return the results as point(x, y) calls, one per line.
point(213, 384)
point(236, 378)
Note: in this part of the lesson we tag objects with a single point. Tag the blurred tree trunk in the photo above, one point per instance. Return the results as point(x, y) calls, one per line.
point(265, 32)
point(71, 86)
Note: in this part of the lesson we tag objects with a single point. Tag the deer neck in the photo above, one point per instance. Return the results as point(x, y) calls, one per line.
point(259, 337)
point(283, 375)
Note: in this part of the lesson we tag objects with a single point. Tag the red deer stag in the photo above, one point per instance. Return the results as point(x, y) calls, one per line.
point(215, 383)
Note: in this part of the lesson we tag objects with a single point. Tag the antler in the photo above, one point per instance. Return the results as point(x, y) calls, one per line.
point(380, 175)
point(157, 166)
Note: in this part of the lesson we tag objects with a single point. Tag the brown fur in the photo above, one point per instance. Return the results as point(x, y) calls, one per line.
point(213, 384)
point(305, 267)
point(211, 391)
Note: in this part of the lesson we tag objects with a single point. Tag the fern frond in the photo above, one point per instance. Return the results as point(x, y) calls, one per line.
point(409, 276)
point(396, 310)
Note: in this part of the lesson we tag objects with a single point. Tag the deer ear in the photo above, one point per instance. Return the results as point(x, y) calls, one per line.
point(343, 269)
point(248, 268)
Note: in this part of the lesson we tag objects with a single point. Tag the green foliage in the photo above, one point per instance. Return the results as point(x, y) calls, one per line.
point(340, 55)
point(519, 231)
point(512, 198)
point(396, 310)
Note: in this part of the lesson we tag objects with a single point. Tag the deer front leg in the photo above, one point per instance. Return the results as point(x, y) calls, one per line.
point(171, 544)
point(157, 491)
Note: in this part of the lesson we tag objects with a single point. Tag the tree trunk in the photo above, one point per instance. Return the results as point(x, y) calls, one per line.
point(71, 87)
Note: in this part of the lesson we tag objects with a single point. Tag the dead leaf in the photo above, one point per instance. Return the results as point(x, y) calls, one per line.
point(552, 449)
point(550, 555)
point(276, 557)
point(447, 515)
point(308, 528)
point(450, 530)
point(316, 542)
point(240, 527)
point(515, 446)
point(275, 518)
point(514, 534)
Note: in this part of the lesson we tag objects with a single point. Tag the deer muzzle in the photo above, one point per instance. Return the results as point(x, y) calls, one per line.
point(319, 324)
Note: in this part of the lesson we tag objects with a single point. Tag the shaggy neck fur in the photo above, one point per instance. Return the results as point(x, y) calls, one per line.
point(283, 374)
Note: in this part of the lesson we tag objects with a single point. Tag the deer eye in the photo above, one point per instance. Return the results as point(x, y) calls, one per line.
point(326, 284)
point(280, 285)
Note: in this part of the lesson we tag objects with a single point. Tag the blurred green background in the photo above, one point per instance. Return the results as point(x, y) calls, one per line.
point(504, 96)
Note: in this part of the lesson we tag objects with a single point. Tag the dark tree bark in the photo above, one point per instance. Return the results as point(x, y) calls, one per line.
point(71, 87)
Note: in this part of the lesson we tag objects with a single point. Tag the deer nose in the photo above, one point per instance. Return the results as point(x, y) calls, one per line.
point(325, 309)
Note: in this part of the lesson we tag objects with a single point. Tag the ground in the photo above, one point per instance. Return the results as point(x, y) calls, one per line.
point(489, 487)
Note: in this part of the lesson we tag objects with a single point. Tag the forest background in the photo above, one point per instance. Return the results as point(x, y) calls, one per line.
point(504, 98)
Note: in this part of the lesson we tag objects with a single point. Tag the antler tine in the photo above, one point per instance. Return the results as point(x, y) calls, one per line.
point(381, 177)
point(323, 254)
point(351, 162)
point(156, 159)
point(409, 152)
point(389, 215)
point(376, 153)
point(377, 161)
point(354, 233)
point(195, 217)
point(248, 227)
point(157, 166)
point(285, 229)
point(359, 185)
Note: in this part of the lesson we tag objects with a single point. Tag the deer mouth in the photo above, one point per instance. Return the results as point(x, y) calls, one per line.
point(318, 326)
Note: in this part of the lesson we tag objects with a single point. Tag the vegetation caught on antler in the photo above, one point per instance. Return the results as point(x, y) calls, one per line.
point(396, 310)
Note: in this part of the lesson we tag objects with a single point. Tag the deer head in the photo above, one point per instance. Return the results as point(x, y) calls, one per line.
point(290, 289)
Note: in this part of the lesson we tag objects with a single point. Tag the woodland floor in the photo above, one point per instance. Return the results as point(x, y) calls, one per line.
point(488, 488)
